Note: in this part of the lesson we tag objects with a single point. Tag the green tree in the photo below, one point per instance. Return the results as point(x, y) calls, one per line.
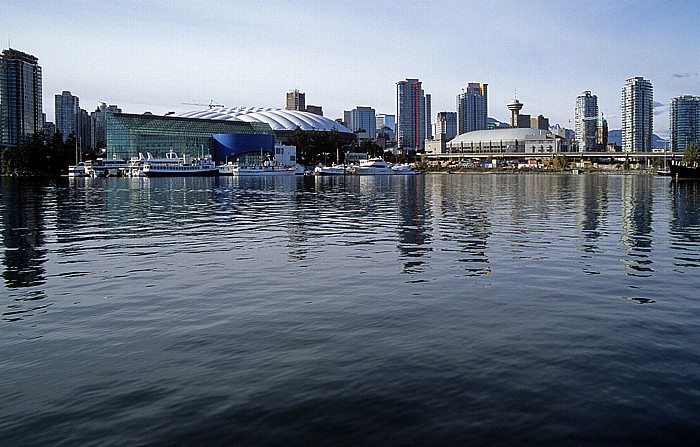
point(690, 154)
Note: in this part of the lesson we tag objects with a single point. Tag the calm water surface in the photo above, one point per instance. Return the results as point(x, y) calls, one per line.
point(430, 310)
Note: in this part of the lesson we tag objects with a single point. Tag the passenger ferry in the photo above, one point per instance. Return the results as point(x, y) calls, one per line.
point(77, 170)
point(268, 168)
point(108, 167)
point(175, 166)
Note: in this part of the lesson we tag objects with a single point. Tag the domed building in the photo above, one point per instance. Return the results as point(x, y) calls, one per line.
point(283, 122)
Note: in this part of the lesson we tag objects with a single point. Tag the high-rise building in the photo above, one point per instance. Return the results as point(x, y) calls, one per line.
point(428, 117)
point(539, 122)
point(602, 133)
point(296, 101)
point(637, 115)
point(98, 119)
point(364, 119)
point(446, 125)
point(385, 120)
point(472, 108)
point(410, 112)
point(20, 97)
point(67, 110)
point(685, 122)
point(586, 122)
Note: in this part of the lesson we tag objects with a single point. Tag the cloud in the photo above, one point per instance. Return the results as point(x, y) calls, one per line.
point(684, 75)
point(658, 104)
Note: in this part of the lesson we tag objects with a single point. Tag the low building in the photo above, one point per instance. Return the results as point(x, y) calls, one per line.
point(505, 141)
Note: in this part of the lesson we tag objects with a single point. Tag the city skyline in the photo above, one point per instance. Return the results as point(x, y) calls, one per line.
point(162, 54)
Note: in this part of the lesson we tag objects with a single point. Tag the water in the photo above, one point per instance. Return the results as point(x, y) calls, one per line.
point(430, 310)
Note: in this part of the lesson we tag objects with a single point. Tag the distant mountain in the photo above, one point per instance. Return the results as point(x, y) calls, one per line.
point(615, 136)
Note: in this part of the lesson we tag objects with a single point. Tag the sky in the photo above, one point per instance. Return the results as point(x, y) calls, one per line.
point(158, 56)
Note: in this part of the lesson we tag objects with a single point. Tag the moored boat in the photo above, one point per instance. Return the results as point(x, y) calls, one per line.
point(175, 166)
point(684, 172)
point(268, 168)
point(77, 170)
point(403, 169)
point(331, 170)
point(108, 167)
point(372, 166)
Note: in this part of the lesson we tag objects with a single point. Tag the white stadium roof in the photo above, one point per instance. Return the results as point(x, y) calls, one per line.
point(495, 135)
point(277, 119)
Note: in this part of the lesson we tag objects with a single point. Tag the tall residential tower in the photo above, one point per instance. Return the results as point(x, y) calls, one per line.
point(472, 108)
point(20, 97)
point(586, 122)
point(685, 122)
point(410, 115)
point(637, 115)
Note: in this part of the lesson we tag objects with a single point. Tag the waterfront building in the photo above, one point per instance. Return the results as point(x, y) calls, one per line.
point(685, 122)
point(67, 114)
point(410, 112)
point(20, 97)
point(296, 101)
point(586, 122)
point(98, 120)
point(446, 125)
point(472, 108)
point(129, 135)
point(363, 119)
point(637, 115)
point(506, 141)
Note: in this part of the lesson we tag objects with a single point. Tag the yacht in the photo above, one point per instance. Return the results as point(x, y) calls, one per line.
point(331, 170)
point(373, 166)
point(403, 169)
point(175, 166)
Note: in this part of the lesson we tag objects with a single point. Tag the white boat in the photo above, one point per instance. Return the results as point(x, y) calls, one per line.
point(174, 166)
point(403, 169)
point(108, 167)
point(331, 170)
point(268, 168)
point(135, 166)
point(77, 170)
point(373, 166)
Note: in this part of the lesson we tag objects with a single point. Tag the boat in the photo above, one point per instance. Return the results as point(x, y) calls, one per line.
point(403, 169)
point(175, 166)
point(108, 167)
point(268, 168)
point(684, 172)
point(77, 170)
point(372, 166)
point(331, 170)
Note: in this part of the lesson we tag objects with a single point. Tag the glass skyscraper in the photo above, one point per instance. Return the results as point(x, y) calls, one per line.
point(472, 108)
point(637, 115)
point(20, 97)
point(685, 122)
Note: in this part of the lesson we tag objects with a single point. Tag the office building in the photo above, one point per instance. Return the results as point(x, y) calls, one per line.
point(586, 122)
point(385, 120)
point(20, 97)
point(602, 133)
point(637, 115)
point(539, 122)
point(685, 122)
point(472, 108)
point(98, 119)
point(67, 111)
point(296, 101)
point(364, 119)
point(428, 117)
point(446, 126)
point(410, 113)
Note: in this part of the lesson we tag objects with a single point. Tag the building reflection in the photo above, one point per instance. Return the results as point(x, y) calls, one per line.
point(637, 197)
point(592, 211)
point(684, 228)
point(23, 232)
point(414, 230)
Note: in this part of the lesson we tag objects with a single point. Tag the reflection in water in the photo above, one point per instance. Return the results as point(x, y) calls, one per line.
point(637, 200)
point(685, 223)
point(23, 232)
point(413, 226)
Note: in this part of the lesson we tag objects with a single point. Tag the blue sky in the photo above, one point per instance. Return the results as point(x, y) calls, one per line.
point(156, 55)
